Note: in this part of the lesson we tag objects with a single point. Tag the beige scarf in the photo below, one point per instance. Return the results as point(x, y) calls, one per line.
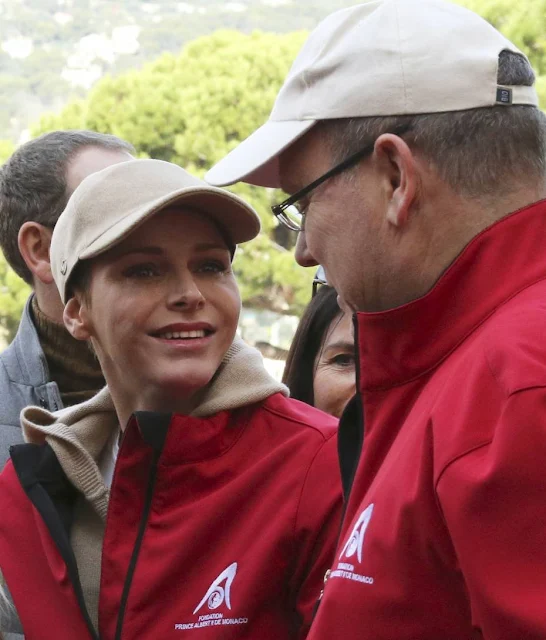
point(79, 434)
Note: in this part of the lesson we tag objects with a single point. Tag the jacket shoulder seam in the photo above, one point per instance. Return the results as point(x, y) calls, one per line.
point(289, 418)
point(486, 442)
point(507, 392)
point(463, 454)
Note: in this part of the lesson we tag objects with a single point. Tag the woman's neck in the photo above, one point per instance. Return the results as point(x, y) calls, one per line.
point(152, 400)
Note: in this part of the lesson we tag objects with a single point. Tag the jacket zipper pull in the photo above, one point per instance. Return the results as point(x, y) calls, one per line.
point(317, 603)
point(326, 577)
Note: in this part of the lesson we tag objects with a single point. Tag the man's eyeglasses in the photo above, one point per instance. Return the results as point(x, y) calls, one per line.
point(318, 281)
point(291, 215)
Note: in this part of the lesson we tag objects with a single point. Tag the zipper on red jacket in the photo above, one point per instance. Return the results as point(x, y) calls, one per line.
point(349, 444)
point(153, 427)
point(138, 543)
point(53, 496)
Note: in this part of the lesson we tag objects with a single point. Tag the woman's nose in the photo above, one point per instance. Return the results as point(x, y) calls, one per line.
point(186, 294)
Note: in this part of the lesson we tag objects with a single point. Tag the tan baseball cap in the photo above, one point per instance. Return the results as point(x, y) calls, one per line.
point(108, 205)
point(382, 58)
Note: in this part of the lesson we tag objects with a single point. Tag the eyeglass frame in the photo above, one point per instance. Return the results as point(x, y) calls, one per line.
point(279, 209)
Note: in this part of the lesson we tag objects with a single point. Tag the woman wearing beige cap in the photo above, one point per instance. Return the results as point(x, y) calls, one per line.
point(190, 497)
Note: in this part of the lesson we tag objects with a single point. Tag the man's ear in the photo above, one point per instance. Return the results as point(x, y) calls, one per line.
point(34, 241)
point(76, 319)
point(400, 165)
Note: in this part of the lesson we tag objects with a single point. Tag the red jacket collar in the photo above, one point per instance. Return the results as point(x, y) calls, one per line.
point(183, 439)
point(401, 344)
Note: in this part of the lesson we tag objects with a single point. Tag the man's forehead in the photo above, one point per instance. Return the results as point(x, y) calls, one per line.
point(89, 160)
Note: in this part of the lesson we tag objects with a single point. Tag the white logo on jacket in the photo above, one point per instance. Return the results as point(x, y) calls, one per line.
point(353, 547)
point(356, 539)
point(218, 594)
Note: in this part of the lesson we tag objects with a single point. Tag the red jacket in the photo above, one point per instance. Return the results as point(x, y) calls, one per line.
point(444, 537)
point(217, 527)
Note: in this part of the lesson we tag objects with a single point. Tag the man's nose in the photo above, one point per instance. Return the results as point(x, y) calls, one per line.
point(302, 253)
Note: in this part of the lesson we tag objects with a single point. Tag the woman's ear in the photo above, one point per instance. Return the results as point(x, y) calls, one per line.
point(401, 166)
point(76, 319)
point(34, 241)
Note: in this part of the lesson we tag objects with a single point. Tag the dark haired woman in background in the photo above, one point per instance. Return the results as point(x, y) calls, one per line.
point(320, 368)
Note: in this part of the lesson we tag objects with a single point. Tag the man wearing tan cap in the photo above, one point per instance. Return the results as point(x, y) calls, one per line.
point(409, 136)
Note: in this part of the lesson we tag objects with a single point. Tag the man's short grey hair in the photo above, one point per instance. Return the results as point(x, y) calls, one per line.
point(33, 185)
point(478, 152)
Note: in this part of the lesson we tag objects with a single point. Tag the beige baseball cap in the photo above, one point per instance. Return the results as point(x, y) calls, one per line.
point(382, 58)
point(108, 205)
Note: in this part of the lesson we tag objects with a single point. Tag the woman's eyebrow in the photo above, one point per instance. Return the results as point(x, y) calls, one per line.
point(341, 345)
point(156, 251)
point(207, 246)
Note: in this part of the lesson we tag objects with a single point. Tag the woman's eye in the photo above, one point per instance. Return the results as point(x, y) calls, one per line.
point(214, 266)
point(147, 270)
point(343, 360)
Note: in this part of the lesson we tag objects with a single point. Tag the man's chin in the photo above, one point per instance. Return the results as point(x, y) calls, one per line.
point(345, 306)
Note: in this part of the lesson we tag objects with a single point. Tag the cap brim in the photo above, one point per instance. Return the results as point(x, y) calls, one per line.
point(233, 214)
point(256, 159)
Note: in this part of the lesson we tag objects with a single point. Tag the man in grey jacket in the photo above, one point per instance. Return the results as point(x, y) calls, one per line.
point(44, 365)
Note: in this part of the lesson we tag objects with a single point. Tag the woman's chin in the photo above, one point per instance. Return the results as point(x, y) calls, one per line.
point(183, 384)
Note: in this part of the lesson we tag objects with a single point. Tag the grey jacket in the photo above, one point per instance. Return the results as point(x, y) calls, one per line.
point(24, 381)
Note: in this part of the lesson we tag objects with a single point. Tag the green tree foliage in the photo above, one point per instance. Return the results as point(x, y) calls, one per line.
point(6, 149)
point(13, 295)
point(192, 109)
point(13, 291)
point(31, 86)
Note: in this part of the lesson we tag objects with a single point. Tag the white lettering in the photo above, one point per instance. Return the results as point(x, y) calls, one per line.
point(349, 575)
point(235, 621)
point(205, 621)
point(211, 616)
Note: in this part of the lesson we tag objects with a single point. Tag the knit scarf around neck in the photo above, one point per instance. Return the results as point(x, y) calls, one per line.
point(71, 363)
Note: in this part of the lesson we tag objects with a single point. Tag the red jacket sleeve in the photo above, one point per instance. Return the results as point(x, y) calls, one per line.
point(317, 527)
point(494, 503)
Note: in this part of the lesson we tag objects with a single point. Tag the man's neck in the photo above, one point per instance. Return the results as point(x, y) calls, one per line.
point(71, 363)
point(49, 302)
point(443, 237)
